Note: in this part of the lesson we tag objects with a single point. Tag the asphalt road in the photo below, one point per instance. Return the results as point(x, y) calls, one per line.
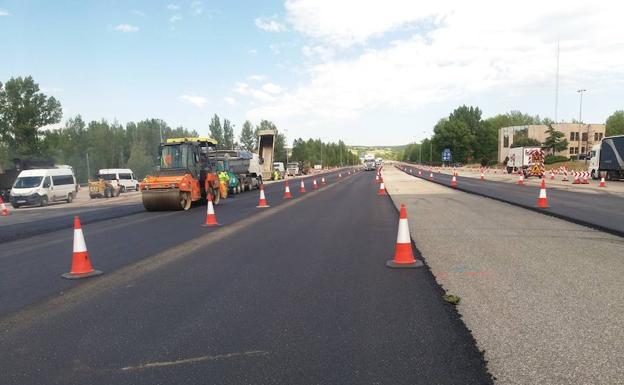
point(115, 237)
point(297, 294)
point(603, 211)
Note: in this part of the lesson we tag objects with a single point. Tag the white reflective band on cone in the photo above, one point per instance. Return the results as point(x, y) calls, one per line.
point(79, 242)
point(403, 235)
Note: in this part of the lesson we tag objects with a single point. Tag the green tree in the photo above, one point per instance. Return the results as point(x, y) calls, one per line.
point(615, 123)
point(247, 138)
point(140, 163)
point(555, 140)
point(228, 135)
point(280, 148)
point(23, 111)
point(216, 132)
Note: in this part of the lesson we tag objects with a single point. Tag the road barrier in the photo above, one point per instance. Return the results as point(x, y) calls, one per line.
point(542, 201)
point(262, 203)
point(81, 265)
point(382, 188)
point(602, 182)
point(287, 194)
point(403, 253)
point(4, 211)
point(211, 218)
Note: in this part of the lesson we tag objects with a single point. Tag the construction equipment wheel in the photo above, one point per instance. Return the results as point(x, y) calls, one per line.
point(216, 195)
point(107, 193)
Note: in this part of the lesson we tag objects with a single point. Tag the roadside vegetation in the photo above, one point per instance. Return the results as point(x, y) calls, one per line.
point(473, 139)
point(29, 129)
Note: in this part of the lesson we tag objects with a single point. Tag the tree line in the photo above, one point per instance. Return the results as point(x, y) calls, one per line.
point(474, 139)
point(313, 151)
point(89, 146)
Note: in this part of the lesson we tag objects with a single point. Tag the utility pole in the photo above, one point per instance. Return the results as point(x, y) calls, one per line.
point(557, 85)
point(430, 152)
point(578, 156)
point(321, 154)
point(340, 142)
point(88, 167)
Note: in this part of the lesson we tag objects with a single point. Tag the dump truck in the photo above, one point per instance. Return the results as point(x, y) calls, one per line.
point(243, 165)
point(187, 173)
point(266, 148)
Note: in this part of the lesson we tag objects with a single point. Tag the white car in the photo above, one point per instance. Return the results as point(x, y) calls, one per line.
point(124, 176)
point(41, 186)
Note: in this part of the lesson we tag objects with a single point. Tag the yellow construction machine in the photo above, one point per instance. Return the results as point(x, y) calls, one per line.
point(187, 173)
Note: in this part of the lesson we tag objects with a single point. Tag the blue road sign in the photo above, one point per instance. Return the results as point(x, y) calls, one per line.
point(446, 155)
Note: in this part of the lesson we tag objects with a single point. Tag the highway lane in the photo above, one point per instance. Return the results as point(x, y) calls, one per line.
point(30, 268)
point(56, 221)
point(303, 297)
point(602, 211)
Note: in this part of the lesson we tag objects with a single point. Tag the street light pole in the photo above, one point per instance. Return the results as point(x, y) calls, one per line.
point(578, 156)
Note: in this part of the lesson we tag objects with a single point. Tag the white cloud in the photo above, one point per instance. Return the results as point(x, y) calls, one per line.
point(230, 100)
point(173, 7)
point(197, 7)
point(271, 88)
point(442, 51)
point(269, 24)
point(126, 28)
point(252, 51)
point(4, 12)
point(257, 78)
point(275, 49)
point(175, 18)
point(197, 101)
point(245, 90)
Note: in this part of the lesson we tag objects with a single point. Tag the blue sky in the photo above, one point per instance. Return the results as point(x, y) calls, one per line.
point(364, 72)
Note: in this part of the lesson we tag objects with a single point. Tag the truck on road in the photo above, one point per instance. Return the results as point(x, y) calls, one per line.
point(369, 163)
point(266, 147)
point(607, 158)
point(528, 160)
point(244, 165)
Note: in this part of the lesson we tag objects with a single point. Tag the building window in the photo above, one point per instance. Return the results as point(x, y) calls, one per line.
point(572, 150)
point(584, 137)
point(571, 138)
point(582, 150)
point(600, 136)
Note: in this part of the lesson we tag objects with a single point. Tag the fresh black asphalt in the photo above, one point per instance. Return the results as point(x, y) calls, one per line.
point(303, 297)
point(599, 210)
point(29, 268)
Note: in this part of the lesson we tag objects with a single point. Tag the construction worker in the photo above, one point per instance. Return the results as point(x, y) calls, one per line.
point(276, 175)
point(224, 180)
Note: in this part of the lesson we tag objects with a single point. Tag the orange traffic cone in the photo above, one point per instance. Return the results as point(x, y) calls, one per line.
point(419, 173)
point(262, 203)
point(323, 181)
point(430, 175)
point(81, 265)
point(453, 181)
point(520, 179)
point(552, 175)
point(211, 218)
point(339, 175)
point(483, 175)
point(382, 188)
point(302, 187)
point(403, 255)
point(314, 185)
point(287, 194)
point(377, 178)
point(542, 201)
point(4, 211)
point(602, 183)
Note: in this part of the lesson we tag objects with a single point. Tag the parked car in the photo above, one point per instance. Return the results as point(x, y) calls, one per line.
point(124, 176)
point(41, 186)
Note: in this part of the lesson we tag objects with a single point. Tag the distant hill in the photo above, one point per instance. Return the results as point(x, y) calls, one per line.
point(386, 152)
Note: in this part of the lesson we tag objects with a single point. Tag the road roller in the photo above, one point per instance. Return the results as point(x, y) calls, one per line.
point(187, 173)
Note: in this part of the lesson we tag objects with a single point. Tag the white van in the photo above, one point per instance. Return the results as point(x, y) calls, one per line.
point(40, 186)
point(124, 176)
